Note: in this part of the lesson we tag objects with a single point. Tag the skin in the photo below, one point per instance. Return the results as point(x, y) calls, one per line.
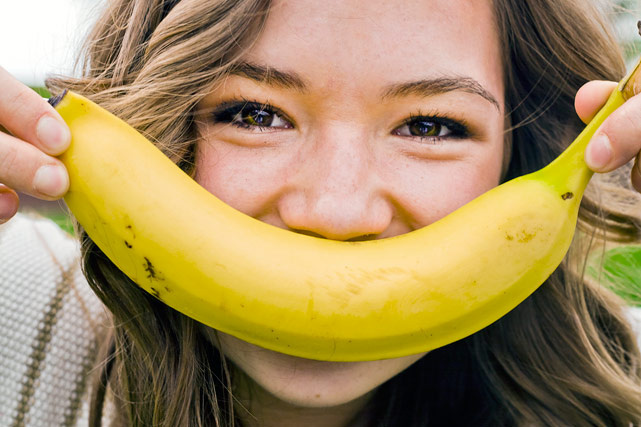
point(362, 178)
point(340, 162)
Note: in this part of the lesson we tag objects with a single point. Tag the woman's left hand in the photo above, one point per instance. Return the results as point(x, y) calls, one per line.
point(619, 138)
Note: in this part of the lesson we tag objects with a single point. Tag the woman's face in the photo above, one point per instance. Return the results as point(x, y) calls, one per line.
point(353, 120)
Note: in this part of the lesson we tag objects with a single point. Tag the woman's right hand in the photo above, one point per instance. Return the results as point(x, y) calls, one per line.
point(31, 133)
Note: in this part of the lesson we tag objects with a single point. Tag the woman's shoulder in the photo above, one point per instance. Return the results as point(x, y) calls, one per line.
point(36, 257)
point(49, 322)
point(32, 235)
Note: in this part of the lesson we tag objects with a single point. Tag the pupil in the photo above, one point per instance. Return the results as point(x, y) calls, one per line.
point(260, 118)
point(425, 128)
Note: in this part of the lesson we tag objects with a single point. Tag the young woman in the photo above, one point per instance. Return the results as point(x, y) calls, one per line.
point(352, 120)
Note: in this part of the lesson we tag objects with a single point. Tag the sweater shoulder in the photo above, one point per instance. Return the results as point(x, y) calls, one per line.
point(49, 324)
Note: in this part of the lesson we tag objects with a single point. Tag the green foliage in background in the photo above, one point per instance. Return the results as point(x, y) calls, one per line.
point(42, 92)
point(64, 221)
point(621, 271)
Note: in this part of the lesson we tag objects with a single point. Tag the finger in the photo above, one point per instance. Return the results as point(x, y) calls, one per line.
point(591, 97)
point(9, 203)
point(27, 116)
point(25, 168)
point(618, 140)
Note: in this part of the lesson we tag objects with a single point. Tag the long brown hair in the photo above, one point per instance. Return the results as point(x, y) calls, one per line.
point(565, 356)
point(145, 63)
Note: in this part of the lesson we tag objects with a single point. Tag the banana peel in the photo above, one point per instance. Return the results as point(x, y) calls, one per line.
point(312, 297)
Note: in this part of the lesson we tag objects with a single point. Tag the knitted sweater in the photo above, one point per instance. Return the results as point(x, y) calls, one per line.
point(49, 321)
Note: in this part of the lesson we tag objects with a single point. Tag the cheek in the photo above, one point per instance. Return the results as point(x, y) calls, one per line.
point(428, 191)
point(243, 178)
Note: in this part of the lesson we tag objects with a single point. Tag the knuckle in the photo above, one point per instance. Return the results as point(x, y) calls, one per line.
point(628, 119)
point(631, 118)
point(20, 109)
point(624, 130)
point(8, 159)
point(15, 102)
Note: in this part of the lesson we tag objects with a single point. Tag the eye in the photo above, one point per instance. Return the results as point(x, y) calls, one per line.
point(431, 127)
point(251, 115)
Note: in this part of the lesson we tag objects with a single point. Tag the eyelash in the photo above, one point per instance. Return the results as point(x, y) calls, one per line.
point(235, 112)
point(458, 129)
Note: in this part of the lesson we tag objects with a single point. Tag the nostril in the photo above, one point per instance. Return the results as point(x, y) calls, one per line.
point(307, 233)
point(362, 238)
point(337, 215)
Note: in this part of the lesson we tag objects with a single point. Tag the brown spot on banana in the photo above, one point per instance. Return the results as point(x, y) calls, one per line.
point(525, 237)
point(130, 230)
point(522, 236)
point(152, 274)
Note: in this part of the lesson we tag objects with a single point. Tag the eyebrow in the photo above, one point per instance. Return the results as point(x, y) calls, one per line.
point(269, 76)
point(425, 88)
point(439, 85)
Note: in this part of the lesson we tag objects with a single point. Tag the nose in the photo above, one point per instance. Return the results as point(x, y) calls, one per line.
point(336, 192)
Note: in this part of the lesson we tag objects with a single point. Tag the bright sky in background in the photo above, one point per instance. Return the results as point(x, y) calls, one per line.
point(41, 37)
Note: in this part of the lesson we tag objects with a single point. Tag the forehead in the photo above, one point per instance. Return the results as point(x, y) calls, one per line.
point(395, 40)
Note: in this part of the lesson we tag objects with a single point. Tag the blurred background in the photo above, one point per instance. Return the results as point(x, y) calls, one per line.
point(43, 37)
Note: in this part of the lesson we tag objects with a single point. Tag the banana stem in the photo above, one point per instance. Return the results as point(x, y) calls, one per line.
point(569, 171)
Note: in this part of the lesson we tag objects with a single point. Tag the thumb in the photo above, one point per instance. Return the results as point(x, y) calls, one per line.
point(591, 97)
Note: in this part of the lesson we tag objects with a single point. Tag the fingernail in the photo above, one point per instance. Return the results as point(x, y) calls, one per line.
point(8, 206)
point(53, 134)
point(51, 180)
point(599, 152)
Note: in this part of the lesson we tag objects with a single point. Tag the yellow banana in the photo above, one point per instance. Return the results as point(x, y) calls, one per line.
point(307, 296)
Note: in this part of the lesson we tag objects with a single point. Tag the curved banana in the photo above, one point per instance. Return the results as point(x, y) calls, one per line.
point(307, 296)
